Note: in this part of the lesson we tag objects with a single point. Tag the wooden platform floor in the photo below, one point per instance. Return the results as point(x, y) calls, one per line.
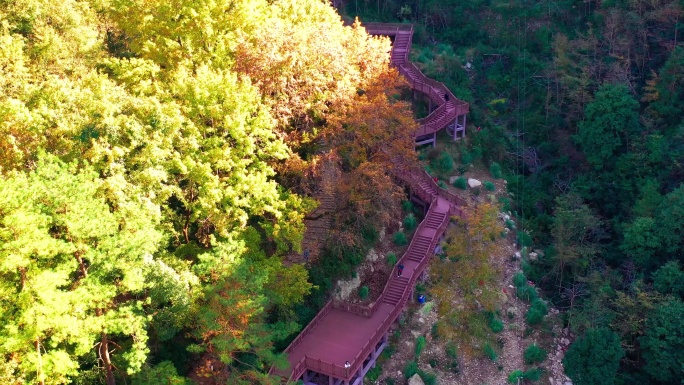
point(340, 336)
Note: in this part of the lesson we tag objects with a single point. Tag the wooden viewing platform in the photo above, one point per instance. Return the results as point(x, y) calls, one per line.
point(344, 332)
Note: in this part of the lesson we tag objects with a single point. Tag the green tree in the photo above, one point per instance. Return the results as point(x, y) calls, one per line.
point(642, 242)
point(575, 230)
point(73, 273)
point(609, 122)
point(669, 279)
point(670, 218)
point(665, 91)
point(593, 359)
point(663, 342)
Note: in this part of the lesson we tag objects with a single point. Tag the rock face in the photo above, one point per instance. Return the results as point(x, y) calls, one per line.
point(472, 183)
point(346, 287)
point(372, 255)
point(416, 380)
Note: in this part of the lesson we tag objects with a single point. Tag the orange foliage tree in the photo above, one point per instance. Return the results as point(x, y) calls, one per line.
point(366, 134)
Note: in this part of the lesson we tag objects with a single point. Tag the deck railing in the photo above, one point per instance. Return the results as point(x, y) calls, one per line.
point(443, 193)
point(388, 29)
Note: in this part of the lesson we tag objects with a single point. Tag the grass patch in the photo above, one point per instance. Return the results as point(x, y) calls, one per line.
point(410, 369)
point(489, 186)
point(490, 353)
point(420, 345)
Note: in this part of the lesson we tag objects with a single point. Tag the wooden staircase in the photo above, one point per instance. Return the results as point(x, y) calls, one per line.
point(324, 345)
point(450, 111)
point(395, 291)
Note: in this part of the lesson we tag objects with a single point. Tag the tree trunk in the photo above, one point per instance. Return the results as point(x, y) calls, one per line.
point(104, 356)
point(41, 378)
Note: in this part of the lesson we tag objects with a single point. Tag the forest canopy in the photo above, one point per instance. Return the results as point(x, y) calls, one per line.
point(155, 164)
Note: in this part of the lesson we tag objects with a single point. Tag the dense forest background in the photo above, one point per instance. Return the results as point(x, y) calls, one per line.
point(583, 102)
point(158, 158)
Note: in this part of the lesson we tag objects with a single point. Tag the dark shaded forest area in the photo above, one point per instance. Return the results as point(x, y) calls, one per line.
point(582, 101)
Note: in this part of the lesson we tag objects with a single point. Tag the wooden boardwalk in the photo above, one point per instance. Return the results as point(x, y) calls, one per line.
point(348, 333)
point(445, 109)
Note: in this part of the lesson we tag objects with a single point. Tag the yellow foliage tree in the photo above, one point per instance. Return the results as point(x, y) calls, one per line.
point(465, 283)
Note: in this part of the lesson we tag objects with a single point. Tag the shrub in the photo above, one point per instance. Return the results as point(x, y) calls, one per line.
point(428, 378)
point(467, 157)
point(453, 366)
point(422, 154)
point(444, 163)
point(524, 239)
point(420, 345)
point(526, 293)
point(505, 203)
point(536, 312)
point(406, 206)
point(374, 373)
point(434, 331)
point(534, 354)
point(496, 325)
point(391, 259)
point(388, 352)
point(519, 279)
point(489, 186)
point(410, 222)
point(442, 185)
point(363, 292)
point(490, 352)
point(532, 374)
point(495, 170)
point(410, 369)
point(451, 351)
point(389, 381)
point(399, 238)
point(461, 183)
point(510, 224)
point(514, 376)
